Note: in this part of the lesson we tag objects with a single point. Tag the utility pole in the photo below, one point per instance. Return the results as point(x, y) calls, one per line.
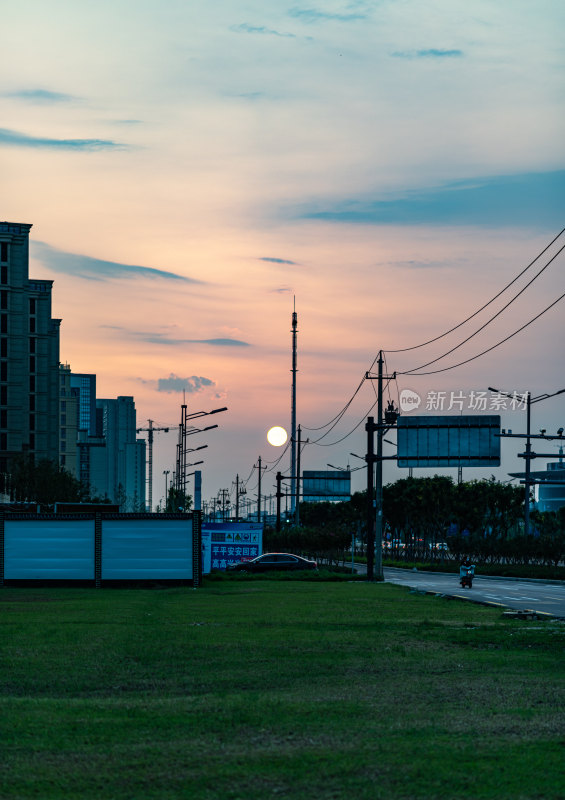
point(238, 493)
point(166, 473)
point(224, 494)
point(370, 459)
point(379, 477)
point(384, 421)
point(293, 502)
point(260, 468)
point(150, 431)
point(297, 506)
point(279, 495)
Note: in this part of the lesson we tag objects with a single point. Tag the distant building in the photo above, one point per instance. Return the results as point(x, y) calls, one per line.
point(124, 480)
point(92, 459)
point(84, 385)
point(549, 485)
point(29, 355)
point(552, 497)
point(68, 422)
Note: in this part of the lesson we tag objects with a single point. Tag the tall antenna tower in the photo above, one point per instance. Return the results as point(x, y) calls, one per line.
point(293, 483)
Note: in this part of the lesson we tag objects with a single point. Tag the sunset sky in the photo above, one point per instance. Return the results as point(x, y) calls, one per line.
point(192, 169)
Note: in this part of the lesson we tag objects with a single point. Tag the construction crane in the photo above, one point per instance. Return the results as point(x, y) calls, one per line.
point(150, 431)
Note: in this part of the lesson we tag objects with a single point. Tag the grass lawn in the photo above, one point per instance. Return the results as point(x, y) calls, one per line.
point(269, 689)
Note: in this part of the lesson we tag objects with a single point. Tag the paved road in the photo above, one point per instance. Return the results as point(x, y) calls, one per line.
point(539, 596)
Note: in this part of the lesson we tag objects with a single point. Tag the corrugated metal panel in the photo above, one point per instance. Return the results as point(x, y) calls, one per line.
point(146, 549)
point(45, 550)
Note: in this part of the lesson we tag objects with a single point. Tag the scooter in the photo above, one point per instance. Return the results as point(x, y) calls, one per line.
point(466, 575)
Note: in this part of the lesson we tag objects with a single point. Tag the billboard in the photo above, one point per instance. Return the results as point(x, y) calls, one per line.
point(449, 441)
point(323, 485)
point(226, 543)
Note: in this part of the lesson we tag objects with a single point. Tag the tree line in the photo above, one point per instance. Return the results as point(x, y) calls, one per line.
point(429, 519)
point(45, 483)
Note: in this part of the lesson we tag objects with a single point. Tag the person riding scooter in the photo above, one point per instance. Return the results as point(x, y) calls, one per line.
point(466, 574)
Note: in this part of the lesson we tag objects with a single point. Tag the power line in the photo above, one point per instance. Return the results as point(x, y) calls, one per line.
point(334, 421)
point(498, 313)
point(331, 444)
point(341, 413)
point(482, 308)
point(276, 462)
point(494, 346)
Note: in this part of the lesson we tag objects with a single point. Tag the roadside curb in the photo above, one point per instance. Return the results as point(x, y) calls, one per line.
point(509, 613)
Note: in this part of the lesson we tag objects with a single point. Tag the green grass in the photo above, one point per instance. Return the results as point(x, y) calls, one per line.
point(260, 689)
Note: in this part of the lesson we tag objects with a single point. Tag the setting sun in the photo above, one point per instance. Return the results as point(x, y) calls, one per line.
point(277, 436)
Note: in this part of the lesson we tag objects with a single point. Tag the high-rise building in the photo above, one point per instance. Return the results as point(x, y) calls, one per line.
point(68, 422)
point(125, 455)
point(85, 386)
point(29, 355)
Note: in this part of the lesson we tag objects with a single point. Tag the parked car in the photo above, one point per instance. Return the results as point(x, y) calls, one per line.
point(273, 561)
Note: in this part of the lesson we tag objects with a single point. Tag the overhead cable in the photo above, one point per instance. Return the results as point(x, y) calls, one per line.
point(489, 349)
point(498, 313)
point(496, 296)
point(340, 414)
point(331, 444)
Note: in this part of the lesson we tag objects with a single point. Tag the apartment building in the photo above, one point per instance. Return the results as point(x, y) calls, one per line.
point(29, 355)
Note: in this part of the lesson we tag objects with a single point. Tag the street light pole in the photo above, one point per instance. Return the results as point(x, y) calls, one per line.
point(528, 455)
point(184, 431)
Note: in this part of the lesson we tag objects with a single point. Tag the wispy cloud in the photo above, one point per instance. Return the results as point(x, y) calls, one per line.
point(97, 269)
point(16, 139)
point(417, 264)
point(254, 96)
point(191, 385)
point(312, 15)
point(278, 261)
point(41, 96)
point(244, 27)
point(531, 199)
point(160, 338)
point(431, 53)
point(157, 339)
point(282, 290)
